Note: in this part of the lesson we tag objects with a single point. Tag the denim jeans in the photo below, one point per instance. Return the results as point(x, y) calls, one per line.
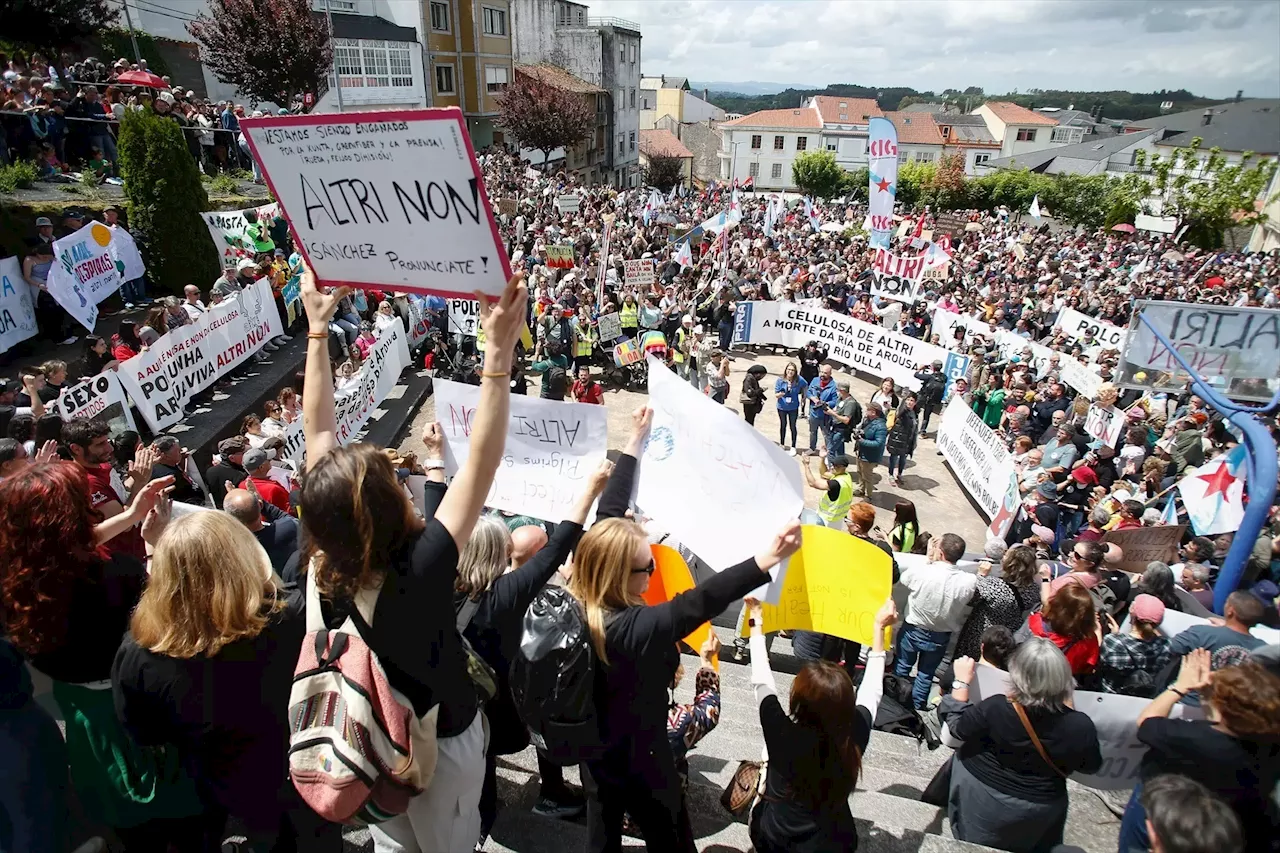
point(815, 426)
point(898, 462)
point(930, 647)
point(785, 418)
point(835, 444)
point(1133, 824)
point(133, 291)
point(726, 336)
point(346, 327)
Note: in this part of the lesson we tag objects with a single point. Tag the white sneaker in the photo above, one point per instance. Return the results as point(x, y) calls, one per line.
point(128, 306)
point(69, 341)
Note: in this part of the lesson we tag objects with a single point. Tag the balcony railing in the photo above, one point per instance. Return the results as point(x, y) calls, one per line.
point(619, 23)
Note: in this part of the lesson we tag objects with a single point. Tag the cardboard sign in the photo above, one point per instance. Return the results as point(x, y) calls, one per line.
point(389, 199)
point(610, 326)
point(897, 277)
point(568, 203)
point(715, 482)
point(99, 398)
point(1083, 378)
point(977, 457)
point(950, 223)
point(1142, 545)
point(560, 257)
point(1105, 424)
point(627, 352)
point(507, 206)
point(464, 316)
point(227, 229)
point(862, 346)
point(190, 358)
point(638, 273)
point(355, 403)
point(671, 577)
point(833, 585)
point(551, 450)
point(17, 305)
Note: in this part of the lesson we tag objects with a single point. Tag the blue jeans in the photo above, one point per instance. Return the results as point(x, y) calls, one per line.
point(899, 461)
point(349, 325)
point(815, 426)
point(785, 418)
point(133, 291)
point(726, 336)
point(1133, 825)
point(930, 647)
point(835, 444)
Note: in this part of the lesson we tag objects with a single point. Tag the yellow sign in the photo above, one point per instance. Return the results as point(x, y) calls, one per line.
point(670, 578)
point(834, 585)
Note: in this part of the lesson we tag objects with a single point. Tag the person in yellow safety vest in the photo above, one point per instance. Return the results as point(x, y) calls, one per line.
point(629, 314)
point(586, 340)
point(836, 485)
point(682, 352)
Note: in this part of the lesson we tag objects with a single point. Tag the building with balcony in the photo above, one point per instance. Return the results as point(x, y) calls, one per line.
point(844, 127)
point(470, 57)
point(604, 52)
point(1020, 130)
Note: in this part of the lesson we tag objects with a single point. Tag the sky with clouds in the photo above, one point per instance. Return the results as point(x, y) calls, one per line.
point(1211, 47)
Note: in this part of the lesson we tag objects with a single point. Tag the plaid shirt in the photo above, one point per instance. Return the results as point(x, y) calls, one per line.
point(1123, 654)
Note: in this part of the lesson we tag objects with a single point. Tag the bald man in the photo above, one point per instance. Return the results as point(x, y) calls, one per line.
point(191, 302)
point(278, 537)
point(525, 542)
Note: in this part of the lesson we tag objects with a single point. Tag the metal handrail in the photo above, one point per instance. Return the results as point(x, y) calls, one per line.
point(620, 23)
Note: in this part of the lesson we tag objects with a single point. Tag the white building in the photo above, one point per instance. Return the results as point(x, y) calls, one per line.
point(1020, 130)
point(763, 145)
point(670, 96)
point(602, 51)
point(844, 127)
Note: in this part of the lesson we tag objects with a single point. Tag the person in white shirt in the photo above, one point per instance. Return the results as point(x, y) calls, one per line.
point(935, 608)
point(1031, 470)
point(192, 304)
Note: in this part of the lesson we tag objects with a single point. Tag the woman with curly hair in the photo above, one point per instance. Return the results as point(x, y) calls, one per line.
point(1234, 751)
point(1000, 601)
point(65, 602)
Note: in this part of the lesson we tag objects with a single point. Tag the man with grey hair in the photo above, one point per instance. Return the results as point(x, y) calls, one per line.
point(845, 415)
point(1194, 578)
point(278, 535)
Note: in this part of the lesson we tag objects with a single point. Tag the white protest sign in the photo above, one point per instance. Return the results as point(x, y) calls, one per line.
point(1114, 716)
point(1078, 326)
point(98, 398)
point(638, 273)
point(897, 276)
point(418, 325)
point(464, 316)
point(862, 346)
point(551, 450)
point(384, 199)
point(945, 322)
point(227, 229)
point(717, 484)
point(190, 358)
point(1236, 350)
point(17, 305)
point(610, 326)
point(568, 203)
point(1105, 424)
point(357, 401)
point(124, 250)
point(977, 456)
point(1081, 377)
point(84, 272)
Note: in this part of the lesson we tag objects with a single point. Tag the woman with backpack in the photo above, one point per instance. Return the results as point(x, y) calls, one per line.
point(492, 596)
point(214, 619)
point(901, 441)
point(637, 656)
point(815, 749)
point(376, 566)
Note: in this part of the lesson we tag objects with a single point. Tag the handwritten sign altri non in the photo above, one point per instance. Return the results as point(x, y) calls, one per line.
point(388, 199)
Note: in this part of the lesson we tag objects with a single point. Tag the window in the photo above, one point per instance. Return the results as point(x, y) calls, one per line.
point(831, 146)
point(495, 22)
point(644, 102)
point(568, 15)
point(946, 132)
point(440, 17)
point(631, 53)
point(633, 140)
point(1027, 134)
point(347, 64)
point(401, 65)
point(754, 169)
point(844, 116)
point(633, 99)
point(1067, 135)
point(338, 6)
point(369, 63)
point(776, 171)
point(755, 142)
point(622, 53)
point(495, 78)
point(375, 63)
point(622, 144)
point(444, 79)
point(902, 157)
point(622, 98)
point(924, 156)
point(802, 142)
point(779, 143)
point(981, 159)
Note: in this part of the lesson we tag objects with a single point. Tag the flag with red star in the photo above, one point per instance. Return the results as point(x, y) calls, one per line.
point(1213, 494)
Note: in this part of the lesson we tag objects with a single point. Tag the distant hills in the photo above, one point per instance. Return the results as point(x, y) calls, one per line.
point(1122, 105)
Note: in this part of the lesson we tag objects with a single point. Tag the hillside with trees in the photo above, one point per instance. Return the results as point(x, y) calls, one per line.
point(1131, 106)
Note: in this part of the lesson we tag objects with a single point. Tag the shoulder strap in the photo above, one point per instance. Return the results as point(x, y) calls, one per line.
point(365, 601)
point(466, 612)
point(1035, 739)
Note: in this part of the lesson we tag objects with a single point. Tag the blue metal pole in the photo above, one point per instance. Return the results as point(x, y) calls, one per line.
point(1262, 470)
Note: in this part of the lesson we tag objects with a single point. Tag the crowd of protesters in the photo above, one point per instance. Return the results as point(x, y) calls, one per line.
point(151, 622)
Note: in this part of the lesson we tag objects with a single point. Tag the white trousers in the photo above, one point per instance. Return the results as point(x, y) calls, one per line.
point(446, 817)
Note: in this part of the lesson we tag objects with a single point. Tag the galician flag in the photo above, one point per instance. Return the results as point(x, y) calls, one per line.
point(811, 213)
point(1170, 514)
point(1213, 494)
point(722, 220)
point(684, 255)
point(1034, 210)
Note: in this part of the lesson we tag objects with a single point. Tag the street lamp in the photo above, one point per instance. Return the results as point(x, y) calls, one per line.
point(733, 163)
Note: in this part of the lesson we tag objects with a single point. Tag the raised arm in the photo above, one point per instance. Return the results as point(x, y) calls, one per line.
point(143, 502)
point(616, 498)
point(873, 680)
point(501, 320)
point(319, 419)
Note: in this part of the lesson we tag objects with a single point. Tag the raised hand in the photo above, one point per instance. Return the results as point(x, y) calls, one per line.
point(319, 306)
point(157, 519)
point(786, 543)
point(433, 438)
point(599, 478)
point(503, 318)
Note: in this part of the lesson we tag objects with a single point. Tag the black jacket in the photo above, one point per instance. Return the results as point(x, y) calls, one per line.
point(221, 477)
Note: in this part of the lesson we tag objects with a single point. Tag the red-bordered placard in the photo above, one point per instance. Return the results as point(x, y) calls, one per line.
point(392, 200)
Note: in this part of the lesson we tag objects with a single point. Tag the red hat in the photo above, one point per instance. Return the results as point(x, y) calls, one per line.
point(1084, 476)
point(1147, 608)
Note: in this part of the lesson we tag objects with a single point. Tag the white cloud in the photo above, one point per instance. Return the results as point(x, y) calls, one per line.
point(1210, 47)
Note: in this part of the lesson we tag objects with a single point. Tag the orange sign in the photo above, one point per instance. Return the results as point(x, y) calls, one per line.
point(669, 579)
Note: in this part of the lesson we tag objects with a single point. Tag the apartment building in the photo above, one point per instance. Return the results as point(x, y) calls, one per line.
point(469, 49)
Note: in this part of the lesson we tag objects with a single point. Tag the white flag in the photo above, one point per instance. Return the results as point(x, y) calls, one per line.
point(684, 255)
point(1034, 210)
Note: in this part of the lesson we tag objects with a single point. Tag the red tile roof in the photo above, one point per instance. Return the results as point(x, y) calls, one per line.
point(800, 118)
point(662, 143)
point(915, 128)
point(1011, 113)
point(846, 110)
point(559, 78)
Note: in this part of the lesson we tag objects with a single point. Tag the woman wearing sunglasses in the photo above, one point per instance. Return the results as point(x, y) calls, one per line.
point(636, 647)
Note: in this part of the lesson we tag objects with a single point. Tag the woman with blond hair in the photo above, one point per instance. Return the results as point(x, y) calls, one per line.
point(207, 667)
point(637, 654)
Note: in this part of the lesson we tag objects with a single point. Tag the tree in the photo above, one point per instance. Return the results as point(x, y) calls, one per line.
point(816, 173)
point(1207, 194)
point(948, 186)
point(51, 26)
point(165, 196)
point(544, 117)
point(271, 50)
point(664, 172)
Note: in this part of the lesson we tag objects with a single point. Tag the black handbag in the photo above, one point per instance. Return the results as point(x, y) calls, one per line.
point(938, 791)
